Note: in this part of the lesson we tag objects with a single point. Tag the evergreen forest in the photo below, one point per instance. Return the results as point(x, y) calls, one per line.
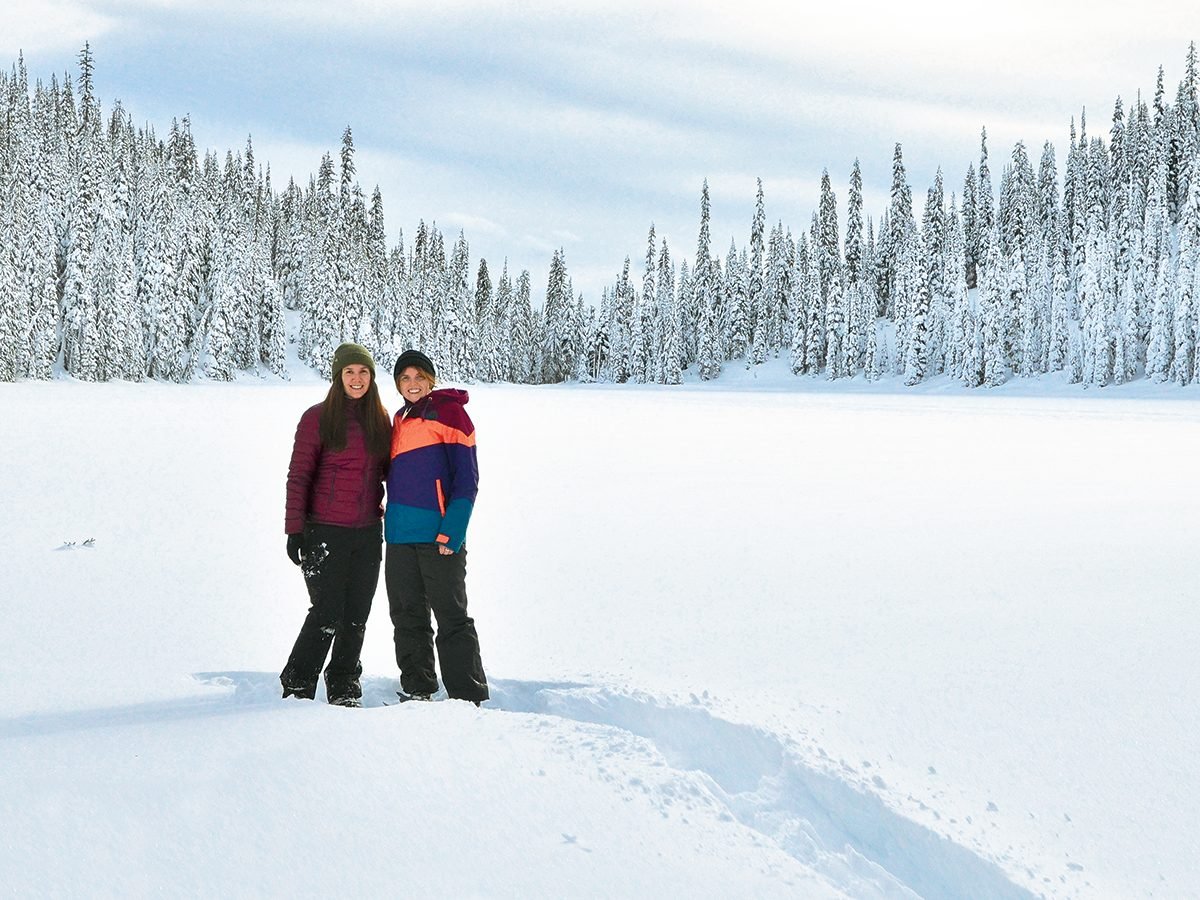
point(126, 254)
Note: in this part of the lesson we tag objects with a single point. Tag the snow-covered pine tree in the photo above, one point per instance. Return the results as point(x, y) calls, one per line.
point(1034, 326)
point(435, 304)
point(984, 207)
point(523, 334)
point(620, 326)
point(1097, 303)
point(972, 364)
point(1183, 140)
point(780, 256)
point(808, 299)
point(1118, 174)
point(1125, 349)
point(395, 313)
point(825, 254)
point(872, 363)
point(14, 315)
point(855, 249)
point(1046, 201)
point(880, 267)
point(916, 359)
point(503, 311)
point(486, 326)
point(121, 350)
point(992, 289)
point(595, 341)
point(956, 327)
point(288, 261)
point(682, 292)
point(154, 235)
point(969, 226)
point(756, 295)
point(837, 350)
point(80, 340)
point(670, 365)
point(378, 327)
point(358, 286)
point(814, 307)
point(558, 347)
point(1183, 362)
point(272, 330)
point(802, 270)
point(1058, 343)
point(933, 232)
point(935, 223)
point(42, 284)
point(1161, 346)
point(900, 226)
point(1075, 208)
point(706, 352)
point(905, 284)
point(1017, 216)
point(643, 352)
point(736, 331)
point(460, 314)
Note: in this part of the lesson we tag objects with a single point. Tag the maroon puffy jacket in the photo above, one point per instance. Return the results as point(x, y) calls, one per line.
point(343, 487)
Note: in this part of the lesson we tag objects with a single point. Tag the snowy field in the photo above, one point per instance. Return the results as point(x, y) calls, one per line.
point(788, 641)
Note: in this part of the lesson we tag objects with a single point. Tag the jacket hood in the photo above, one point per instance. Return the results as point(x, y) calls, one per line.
point(441, 397)
point(449, 395)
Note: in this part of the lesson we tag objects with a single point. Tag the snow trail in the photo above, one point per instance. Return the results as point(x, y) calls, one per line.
point(846, 835)
point(849, 836)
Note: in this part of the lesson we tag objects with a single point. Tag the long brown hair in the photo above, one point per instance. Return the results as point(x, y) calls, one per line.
point(376, 426)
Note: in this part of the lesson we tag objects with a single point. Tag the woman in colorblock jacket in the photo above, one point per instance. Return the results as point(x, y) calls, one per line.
point(334, 496)
point(431, 487)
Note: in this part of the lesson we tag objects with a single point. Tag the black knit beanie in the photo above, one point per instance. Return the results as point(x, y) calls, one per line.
point(350, 355)
point(413, 358)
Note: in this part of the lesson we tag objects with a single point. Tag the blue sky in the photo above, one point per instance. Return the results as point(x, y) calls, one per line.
point(536, 125)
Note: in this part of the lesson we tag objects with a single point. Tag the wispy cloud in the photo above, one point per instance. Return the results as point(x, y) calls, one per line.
point(42, 27)
point(534, 125)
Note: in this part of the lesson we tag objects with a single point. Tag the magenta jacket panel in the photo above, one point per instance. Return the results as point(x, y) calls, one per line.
point(343, 487)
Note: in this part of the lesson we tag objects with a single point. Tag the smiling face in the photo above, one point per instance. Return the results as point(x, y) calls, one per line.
point(355, 381)
point(413, 384)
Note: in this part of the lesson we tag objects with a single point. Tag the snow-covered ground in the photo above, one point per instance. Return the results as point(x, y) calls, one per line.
point(764, 637)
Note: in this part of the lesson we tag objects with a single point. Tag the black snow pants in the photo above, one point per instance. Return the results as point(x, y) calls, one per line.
point(341, 571)
point(420, 579)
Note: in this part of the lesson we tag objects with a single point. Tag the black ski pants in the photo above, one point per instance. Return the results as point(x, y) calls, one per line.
point(419, 579)
point(341, 571)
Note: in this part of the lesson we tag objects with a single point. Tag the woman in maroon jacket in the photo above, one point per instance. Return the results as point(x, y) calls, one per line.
point(334, 496)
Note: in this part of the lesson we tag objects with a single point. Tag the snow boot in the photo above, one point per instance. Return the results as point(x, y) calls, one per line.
point(295, 687)
point(404, 698)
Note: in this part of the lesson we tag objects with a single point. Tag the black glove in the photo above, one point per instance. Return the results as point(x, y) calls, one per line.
point(296, 547)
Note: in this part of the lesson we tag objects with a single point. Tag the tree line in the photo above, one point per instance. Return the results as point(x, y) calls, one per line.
point(126, 255)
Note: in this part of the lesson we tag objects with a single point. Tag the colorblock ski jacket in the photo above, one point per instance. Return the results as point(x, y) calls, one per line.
point(343, 487)
point(434, 475)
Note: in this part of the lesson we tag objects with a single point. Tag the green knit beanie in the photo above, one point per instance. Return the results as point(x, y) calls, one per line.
point(349, 355)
